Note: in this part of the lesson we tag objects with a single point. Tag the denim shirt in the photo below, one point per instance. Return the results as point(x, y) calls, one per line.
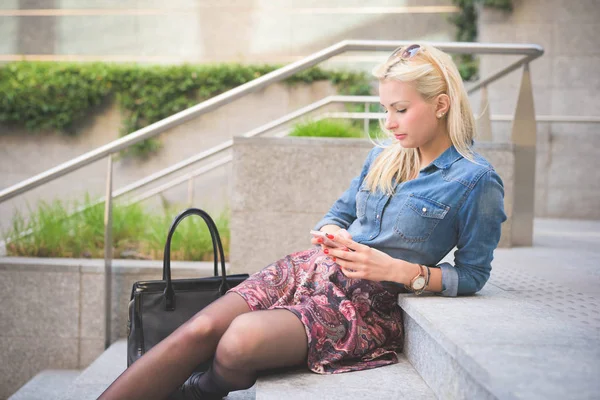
point(452, 203)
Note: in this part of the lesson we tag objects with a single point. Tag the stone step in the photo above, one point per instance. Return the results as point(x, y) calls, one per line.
point(512, 340)
point(100, 374)
point(399, 381)
point(106, 368)
point(50, 384)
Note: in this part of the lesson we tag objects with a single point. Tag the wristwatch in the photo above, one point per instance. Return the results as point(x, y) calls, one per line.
point(419, 282)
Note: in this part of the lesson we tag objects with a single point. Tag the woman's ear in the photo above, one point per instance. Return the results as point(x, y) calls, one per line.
point(442, 105)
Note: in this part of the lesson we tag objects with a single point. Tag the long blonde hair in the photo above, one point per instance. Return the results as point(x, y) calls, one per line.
point(432, 72)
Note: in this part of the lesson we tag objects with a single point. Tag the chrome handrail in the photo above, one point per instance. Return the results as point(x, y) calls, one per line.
point(336, 115)
point(530, 51)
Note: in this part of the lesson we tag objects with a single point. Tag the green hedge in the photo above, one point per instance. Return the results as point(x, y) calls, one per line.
point(56, 95)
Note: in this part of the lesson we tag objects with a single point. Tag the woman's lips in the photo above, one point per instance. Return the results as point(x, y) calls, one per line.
point(400, 137)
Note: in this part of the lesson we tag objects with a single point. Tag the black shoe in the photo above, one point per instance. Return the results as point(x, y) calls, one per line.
point(190, 390)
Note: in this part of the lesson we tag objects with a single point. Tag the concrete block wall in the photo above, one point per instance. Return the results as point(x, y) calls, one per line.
point(283, 186)
point(52, 314)
point(566, 81)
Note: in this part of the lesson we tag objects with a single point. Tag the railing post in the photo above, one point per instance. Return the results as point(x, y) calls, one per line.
point(108, 255)
point(484, 123)
point(190, 191)
point(524, 139)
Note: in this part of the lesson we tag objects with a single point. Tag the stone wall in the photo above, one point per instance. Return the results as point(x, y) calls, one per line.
point(566, 82)
point(53, 311)
point(283, 187)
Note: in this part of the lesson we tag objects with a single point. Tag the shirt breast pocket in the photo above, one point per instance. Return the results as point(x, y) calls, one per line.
point(361, 201)
point(418, 218)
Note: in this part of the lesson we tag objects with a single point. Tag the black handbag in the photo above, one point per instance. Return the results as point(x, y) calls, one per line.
point(157, 308)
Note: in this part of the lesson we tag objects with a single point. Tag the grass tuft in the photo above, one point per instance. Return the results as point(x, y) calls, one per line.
point(50, 231)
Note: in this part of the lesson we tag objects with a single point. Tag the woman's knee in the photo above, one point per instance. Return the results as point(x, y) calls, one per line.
point(239, 344)
point(203, 328)
point(210, 323)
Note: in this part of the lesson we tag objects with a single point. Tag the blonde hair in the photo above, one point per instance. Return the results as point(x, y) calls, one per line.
point(432, 72)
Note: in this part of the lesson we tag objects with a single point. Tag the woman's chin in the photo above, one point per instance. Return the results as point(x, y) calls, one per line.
point(406, 144)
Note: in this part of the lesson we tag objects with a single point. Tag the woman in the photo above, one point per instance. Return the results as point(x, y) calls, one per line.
point(418, 196)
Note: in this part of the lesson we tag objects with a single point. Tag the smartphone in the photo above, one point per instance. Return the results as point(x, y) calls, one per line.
point(326, 240)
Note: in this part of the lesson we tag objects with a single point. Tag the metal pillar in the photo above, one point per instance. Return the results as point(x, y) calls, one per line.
point(524, 139)
point(108, 255)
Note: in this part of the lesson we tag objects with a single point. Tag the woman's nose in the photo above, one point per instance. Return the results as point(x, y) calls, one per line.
point(390, 122)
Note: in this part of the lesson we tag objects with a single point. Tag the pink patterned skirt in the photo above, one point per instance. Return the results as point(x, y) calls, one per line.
point(351, 324)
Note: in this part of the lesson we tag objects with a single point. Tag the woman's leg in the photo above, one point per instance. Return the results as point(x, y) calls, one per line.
point(255, 342)
point(168, 364)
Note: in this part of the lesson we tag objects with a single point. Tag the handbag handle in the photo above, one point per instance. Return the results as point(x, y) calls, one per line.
point(169, 293)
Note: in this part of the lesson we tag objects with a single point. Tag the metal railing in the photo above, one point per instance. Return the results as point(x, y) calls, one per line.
point(365, 116)
point(523, 132)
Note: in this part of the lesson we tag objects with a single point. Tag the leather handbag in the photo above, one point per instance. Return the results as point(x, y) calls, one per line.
point(157, 308)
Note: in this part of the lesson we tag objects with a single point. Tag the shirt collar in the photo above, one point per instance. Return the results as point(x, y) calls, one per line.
point(446, 159)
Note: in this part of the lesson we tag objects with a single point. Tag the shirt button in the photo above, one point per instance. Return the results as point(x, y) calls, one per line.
point(424, 209)
point(377, 216)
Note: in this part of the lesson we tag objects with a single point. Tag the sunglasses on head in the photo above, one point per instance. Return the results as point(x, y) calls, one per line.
point(405, 53)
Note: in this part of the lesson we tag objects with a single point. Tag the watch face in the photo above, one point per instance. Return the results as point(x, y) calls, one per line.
point(419, 283)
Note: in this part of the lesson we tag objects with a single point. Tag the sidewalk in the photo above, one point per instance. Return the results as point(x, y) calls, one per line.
point(560, 273)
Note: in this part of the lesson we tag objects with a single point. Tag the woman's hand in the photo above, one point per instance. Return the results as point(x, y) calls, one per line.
point(363, 262)
point(328, 243)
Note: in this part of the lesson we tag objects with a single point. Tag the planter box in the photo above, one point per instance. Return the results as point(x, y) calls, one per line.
point(53, 311)
point(283, 186)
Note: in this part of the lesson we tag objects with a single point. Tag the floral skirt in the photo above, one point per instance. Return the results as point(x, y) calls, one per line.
point(351, 324)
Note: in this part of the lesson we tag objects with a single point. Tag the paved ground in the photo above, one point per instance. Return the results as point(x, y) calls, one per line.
point(560, 272)
point(533, 332)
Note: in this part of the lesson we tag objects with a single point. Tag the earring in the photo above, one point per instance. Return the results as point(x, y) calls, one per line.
point(440, 115)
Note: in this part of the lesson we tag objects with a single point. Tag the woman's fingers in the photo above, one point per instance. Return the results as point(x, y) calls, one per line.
point(349, 243)
point(342, 253)
point(318, 242)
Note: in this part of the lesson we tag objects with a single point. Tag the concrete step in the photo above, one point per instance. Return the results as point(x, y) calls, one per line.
point(100, 374)
point(47, 385)
point(106, 368)
point(526, 335)
point(399, 381)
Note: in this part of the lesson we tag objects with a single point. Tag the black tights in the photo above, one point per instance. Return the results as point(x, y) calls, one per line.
point(242, 342)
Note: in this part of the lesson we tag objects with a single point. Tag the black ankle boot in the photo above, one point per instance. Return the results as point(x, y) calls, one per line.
point(191, 390)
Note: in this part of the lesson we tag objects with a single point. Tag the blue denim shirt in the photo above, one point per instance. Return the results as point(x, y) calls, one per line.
point(452, 202)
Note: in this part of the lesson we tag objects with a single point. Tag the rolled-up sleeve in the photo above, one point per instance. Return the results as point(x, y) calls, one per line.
point(479, 223)
point(343, 211)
